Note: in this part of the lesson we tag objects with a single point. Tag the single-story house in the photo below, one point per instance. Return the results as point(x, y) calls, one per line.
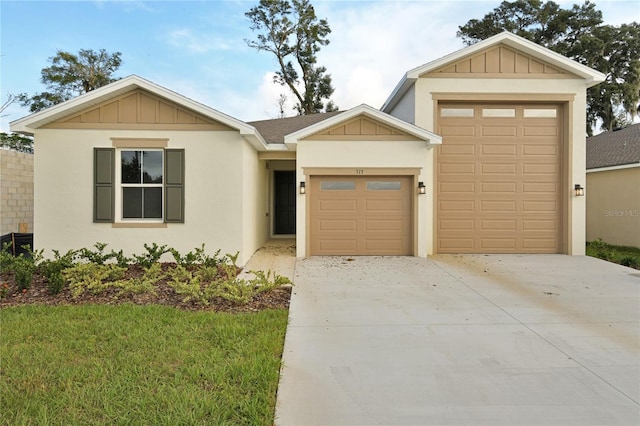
point(613, 186)
point(476, 152)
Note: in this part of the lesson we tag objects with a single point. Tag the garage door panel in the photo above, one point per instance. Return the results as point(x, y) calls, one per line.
point(447, 244)
point(499, 244)
point(375, 206)
point(540, 244)
point(542, 169)
point(539, 149)
point(540, 131)
point(382, 246)
point(505, 206)
point(457, 206)
point(458, 130)
point(337, 205)
point(459, 150)
point(383, 225)
point(372, 218)
point(457, 224)
point(540, 187)
point(498, 224)
point(502, 187)
point(337, 225)
point(458, 187)
point(539, 206)
point(501, 149)
point(539, 225)
point(457, 168)
point(501, 169)
point(498, 131)
point(337, 245)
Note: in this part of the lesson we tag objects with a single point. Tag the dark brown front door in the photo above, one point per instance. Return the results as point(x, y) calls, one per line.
point(285, 202)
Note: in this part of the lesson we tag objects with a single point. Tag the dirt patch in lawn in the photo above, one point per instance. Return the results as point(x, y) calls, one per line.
point(163, 294)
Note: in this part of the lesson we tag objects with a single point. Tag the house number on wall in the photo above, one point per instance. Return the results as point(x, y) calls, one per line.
point(359, 171)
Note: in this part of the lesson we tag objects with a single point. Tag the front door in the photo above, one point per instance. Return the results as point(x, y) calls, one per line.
point(285, 202)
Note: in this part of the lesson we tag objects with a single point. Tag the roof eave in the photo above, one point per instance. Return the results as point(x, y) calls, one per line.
point(430, 138)
point(32, 122)
point(591, 76)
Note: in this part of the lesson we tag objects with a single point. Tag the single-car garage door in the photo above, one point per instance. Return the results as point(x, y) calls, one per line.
point(499, 179)
point(360, 215)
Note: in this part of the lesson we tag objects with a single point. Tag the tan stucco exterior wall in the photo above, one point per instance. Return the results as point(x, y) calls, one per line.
point(366, 155)
point(214, 178)
point(520, 91)
point(16, 185)
point(255, 193)
point(613, 206)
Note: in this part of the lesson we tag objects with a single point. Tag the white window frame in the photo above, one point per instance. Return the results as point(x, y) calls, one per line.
point(119, 202)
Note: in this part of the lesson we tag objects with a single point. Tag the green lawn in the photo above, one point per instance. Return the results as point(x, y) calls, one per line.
point(128, 364)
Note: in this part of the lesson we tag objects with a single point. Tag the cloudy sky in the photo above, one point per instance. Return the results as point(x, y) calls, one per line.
point(197, 48)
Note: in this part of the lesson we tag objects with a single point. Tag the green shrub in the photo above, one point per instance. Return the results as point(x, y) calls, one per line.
point(92, 277)
point(99, 257)
point(139, 285)
point(52, 269)
point(197, 257)
point(23, 268)
point(630, 261)
point(6, 258)
point(601, 249)
point(153, 255)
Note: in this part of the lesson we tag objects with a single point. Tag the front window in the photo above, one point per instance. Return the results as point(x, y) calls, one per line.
point(141, 181)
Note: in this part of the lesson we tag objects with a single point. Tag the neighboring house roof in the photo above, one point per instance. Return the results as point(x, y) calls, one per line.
point(273, 131)
point(431, 138)
point(614, 148)
point(591, 76)
point(28, 124)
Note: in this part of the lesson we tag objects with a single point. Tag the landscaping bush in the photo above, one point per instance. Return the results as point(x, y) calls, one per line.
point(623, 255)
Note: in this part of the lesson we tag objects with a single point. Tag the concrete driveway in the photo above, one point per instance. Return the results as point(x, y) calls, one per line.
point(462, 339)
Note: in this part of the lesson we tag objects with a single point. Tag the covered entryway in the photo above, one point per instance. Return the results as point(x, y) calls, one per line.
point(498, 178)
point(361, 215)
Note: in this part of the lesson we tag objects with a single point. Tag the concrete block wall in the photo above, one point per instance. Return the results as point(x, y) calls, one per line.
point(16, 192)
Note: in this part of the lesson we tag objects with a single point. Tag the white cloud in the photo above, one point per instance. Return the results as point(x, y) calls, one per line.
point(200, 43)
point(371, 48)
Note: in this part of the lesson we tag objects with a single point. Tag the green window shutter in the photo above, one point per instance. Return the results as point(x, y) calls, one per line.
point(104, 185)
point(174, 185)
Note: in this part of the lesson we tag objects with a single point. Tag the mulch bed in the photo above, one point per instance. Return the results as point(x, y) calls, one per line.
point(38, 294)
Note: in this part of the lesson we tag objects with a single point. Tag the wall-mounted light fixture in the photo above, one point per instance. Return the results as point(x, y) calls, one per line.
point(579, 190)
point(303, 189)
point(421, 188)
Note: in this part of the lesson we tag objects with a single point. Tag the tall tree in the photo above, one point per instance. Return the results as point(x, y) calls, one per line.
point(290, 30)
point(578, 33)
point(71, 75)
point(16, 142)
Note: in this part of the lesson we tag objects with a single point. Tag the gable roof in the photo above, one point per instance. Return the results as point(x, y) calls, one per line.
point(590, 76)
point(614, 148)
point(273, 131)
point(28, 124)
point(292, 139)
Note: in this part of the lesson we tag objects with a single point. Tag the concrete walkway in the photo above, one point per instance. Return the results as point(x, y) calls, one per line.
point(277, 255)
point(462, 340)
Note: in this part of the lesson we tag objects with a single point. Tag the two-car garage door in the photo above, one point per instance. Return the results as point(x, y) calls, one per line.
point(499, 179)
point(361, 215)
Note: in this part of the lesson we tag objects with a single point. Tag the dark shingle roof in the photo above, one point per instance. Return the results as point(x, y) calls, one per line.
point(274, 131)
point(614, 148)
